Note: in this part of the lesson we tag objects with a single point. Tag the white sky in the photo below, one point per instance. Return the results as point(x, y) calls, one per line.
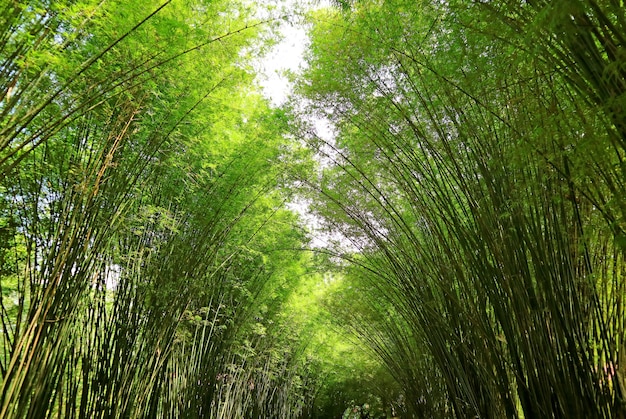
point(288, 56)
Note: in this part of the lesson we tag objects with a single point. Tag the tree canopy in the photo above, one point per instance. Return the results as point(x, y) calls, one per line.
point(161, 221)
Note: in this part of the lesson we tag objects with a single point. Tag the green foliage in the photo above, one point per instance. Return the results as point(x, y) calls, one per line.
point(149, 266)
point(142, 223)
point(476, 170)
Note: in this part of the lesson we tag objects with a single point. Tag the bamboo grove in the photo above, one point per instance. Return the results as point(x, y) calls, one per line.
point(139, 200)
point(471, 185)
point(477, 176)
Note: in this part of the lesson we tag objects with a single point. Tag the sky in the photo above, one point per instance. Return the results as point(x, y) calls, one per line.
point(288, 56)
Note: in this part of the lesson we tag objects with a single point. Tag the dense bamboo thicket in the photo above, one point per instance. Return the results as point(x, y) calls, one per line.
point(477, 171)
point(471, 186)
point(139, 201)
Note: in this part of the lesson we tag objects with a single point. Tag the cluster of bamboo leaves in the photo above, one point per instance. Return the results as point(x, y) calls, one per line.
point(477, 176)
point(144, 249)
